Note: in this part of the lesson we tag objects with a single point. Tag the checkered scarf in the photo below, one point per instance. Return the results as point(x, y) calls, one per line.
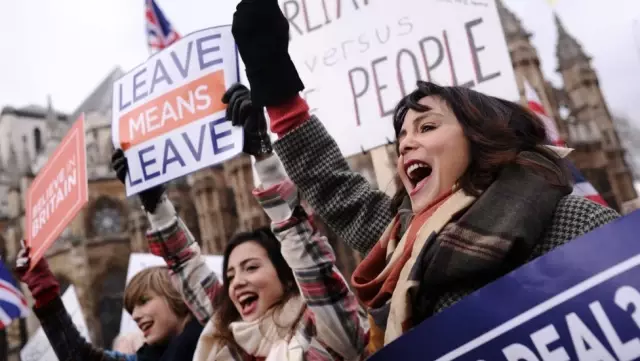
point(464, 239)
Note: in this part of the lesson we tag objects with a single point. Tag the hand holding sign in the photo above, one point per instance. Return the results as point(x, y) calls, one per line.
point(39, 279)
point(261, 32)
point(58, 193)
point(150, 197)
point(241, 112)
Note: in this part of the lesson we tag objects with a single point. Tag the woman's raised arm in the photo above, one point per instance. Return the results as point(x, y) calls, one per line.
point(344, 199)
point(170, 239)
point(333, 315)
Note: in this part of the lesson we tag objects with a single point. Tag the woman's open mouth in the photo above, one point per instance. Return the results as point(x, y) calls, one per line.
point(418, 173)
point(248, 303)
point(145, 327)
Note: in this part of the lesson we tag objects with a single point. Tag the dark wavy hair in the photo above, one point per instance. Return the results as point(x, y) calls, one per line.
point(226, 311)
point(497, 131)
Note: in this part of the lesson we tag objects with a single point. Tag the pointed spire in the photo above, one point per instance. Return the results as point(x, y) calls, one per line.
point(51, 115)
point(54, 129)
point(511, 24)
point(559, 26)
point(568, 50)
point(52, 118)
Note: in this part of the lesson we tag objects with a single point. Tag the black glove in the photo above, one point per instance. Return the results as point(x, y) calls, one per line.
point(241, 112)
point(150, 197)
point(261, 33)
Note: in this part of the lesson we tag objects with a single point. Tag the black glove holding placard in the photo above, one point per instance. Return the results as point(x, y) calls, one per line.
point(241, 112)
point(150, 197)
point(261, 33)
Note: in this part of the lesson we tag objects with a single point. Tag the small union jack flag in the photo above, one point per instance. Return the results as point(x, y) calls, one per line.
point(160, 33)
point(13, 304)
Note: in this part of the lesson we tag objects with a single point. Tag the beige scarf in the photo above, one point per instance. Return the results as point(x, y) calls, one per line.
point(267, 337)
point(399, 310)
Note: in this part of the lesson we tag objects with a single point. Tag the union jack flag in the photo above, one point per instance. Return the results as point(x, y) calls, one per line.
point(583, 188)
point(160, 33)
point(13, 304)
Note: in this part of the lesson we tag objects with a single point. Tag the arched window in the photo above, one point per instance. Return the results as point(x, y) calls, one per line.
point(106, 218)
point(111, 305)
point(37, 140)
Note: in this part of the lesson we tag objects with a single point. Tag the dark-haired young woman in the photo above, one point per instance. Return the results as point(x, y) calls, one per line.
point(482, 194)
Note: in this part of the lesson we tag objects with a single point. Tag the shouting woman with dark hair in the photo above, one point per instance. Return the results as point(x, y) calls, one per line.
point(482, 192)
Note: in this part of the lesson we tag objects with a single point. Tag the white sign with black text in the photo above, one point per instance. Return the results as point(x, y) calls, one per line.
point(357, 58)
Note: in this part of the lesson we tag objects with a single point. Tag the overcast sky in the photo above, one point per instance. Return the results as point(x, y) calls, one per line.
point(66, 47)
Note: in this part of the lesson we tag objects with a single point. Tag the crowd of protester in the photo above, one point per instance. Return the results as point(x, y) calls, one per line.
point(483, 194)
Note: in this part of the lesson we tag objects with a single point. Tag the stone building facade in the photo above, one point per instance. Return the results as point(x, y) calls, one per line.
point(93, 252)
point(579, 108)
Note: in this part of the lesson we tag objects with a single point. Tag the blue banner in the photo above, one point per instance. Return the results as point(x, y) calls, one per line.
point(578, 302)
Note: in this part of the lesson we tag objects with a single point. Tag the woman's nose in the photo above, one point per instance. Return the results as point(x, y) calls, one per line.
point(237, 282)
point(407, 143)
point(136, 314)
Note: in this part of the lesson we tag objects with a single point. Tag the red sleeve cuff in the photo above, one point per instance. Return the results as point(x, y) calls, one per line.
point(288, 116)
point(47, 296)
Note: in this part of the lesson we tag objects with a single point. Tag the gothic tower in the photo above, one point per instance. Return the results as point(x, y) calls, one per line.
point(588, 107)
point(138, 224)
point(216, 211)
point(526, 65)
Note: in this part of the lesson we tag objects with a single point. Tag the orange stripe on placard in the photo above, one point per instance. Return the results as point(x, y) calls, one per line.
point(175, 109)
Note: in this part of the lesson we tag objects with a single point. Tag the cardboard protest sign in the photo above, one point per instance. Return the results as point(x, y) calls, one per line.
point(140, 261)
point(578, 302)
point(58, 193)
point(168, 116)
point(355, 74)
point(38, 348)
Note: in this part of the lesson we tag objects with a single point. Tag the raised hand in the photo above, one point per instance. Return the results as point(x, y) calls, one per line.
point(261, 32)
point(241, 112)
point(40, 280)
point(261, 21)
point(150, 197)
